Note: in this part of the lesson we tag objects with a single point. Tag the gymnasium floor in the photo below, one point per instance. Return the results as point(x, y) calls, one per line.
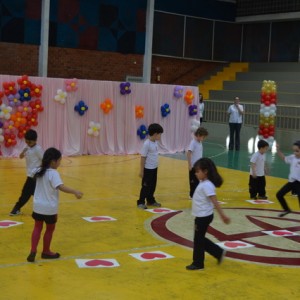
point(143, 254)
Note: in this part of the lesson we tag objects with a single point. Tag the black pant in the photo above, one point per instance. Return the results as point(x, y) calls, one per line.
point(202, 244)
point(27, 192)
point(194, 181)
point(295, 186)
point(234, 135)
point(257, 185)
point(148, 186)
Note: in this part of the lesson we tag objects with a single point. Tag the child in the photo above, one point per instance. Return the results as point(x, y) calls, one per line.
point(194, 153)
point(204, 200)
point(33, 155)
point(257, 180)
point(294, 177)
point(45, 202)
point(148, 167)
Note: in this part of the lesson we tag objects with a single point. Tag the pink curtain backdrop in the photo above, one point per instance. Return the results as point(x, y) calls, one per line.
point(61, 127)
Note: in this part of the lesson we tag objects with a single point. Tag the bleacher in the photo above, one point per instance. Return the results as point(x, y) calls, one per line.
point(247, 85)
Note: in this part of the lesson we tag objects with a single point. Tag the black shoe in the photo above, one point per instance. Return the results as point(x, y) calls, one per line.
point(221, 258)
point(31, 257)
point(50, 256)
point(194, 268)
point(284, 213)
point(253, 198)
point(263, 197)
point(15, 213)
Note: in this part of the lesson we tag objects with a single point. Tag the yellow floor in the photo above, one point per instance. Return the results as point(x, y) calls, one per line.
point(111, 186)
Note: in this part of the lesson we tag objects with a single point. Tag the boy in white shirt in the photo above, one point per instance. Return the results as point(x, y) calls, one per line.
point(148, 167)
point(257, 180)
point(194, 153)
point(33, 155)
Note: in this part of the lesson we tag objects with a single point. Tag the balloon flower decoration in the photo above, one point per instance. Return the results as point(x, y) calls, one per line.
point(20, 109)
point(139, 111)
point(125, 88)
point(81, 108)
point(178, 91)
point(25, 94)
point(142, 132)
point(94, 129)
point(9, 88)
point(36, 90)
point(61, 96)
point(195, 124)
point(5, 111)
point(14, 100)
point(24, 82)
point(268, 111)
point(165, 110)
point(193, 110)
point(71, 85)
point(189, 96)
point(106, 106)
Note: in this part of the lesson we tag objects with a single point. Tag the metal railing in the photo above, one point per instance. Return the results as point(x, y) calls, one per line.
point(287, 116)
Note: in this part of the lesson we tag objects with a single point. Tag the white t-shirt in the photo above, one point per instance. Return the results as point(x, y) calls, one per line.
point(259, 160)
point(45, 200)
point(234, 115)
point(202, 206)
point(33, 157)
point(197, 150)
point(150, 151)
point(294, 167)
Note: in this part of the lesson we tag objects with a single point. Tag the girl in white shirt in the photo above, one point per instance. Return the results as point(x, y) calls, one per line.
point(204, 201)
point(294, 177)
point(45, 202)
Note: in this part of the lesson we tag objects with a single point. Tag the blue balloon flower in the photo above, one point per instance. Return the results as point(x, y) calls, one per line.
point(165, 110)
point(142, 132)
point(81, 108)
point(24, 94)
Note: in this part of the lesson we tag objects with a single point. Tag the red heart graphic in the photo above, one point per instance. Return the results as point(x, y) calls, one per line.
point(161, 210)
point(234, 244)
point(7, 224)
point(100, 218)
point(281, 232)
point(261, 201)
point(152, 255)
point(99, 262)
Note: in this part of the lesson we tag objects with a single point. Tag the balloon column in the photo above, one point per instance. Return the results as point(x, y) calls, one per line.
point(268, 111)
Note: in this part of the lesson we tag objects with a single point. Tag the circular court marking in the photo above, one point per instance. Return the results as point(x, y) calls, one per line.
point(249, 225)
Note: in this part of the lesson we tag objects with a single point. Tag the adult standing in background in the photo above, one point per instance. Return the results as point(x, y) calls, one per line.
point(201, 107)
point(235, 111)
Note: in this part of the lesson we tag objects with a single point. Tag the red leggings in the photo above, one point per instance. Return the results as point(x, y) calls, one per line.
point(36, 234)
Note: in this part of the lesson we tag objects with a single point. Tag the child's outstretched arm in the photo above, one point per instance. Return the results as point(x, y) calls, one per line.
point(69, 190)
point(279, 153)
point(224, 218)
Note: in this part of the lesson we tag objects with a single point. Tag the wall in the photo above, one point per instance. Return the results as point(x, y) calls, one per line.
point(18, 59)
